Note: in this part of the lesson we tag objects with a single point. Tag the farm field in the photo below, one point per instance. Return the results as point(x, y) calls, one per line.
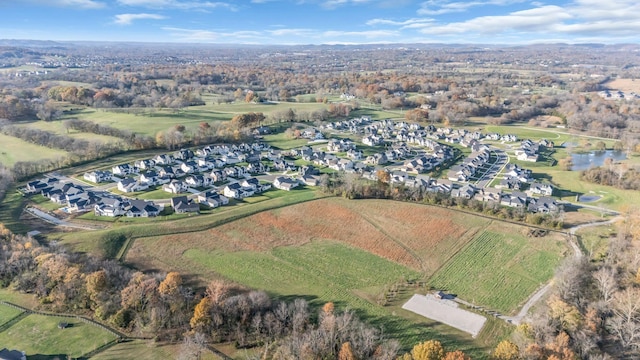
point(57, 127)
point(361, 247)
point(139, 227)
point(626, 85)
point(13, 150)
point(40, 335)
point(518, 265)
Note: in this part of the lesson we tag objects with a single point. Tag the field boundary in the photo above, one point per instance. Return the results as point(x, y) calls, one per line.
point(217, 222)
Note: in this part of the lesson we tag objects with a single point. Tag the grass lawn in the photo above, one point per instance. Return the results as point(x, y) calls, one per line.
point(517, 266)
point(57, 127)
point(10, 211)
point(7, 313)
point(39, 335)
point(44, 203)
point(283, 142)
point(144, 350)
point(18, 298)
point(156, 194)
point(594, 241)
point(13, 150)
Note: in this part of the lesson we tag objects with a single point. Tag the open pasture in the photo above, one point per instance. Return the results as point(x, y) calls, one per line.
point(40, 335)
point(485, 262)
point(13, 150)
point(352, 251)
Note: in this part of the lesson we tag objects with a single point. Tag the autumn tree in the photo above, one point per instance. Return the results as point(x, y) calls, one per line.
point(428, 350)
point(171, 284)
point(506, 350)
point(346, 353)
point(417, 115)
point(456, 355)
point(201, 318)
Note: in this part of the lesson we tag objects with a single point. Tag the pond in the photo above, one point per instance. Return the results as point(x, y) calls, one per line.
point(584, 161)
point(589, 198)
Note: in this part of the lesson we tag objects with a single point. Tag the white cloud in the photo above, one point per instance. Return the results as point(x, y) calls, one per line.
point(177, 4)
point(128, 19)
point(406, 24)
point(84, 4)
point(434, 7)
point(291, 32)
point(360, 34)
point(531, 20)
point(208, 36)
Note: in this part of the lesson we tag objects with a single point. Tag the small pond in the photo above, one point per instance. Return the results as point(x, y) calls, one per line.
point(589, 198)
point(584, 161)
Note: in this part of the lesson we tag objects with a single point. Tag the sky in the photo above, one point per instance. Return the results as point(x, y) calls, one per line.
point(323, 21)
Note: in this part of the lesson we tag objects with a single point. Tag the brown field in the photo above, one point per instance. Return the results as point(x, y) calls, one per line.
point(417, 236)
point(626, 85)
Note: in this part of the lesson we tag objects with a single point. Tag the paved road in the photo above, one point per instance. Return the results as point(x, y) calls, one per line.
point(496, 167)
point(55, 221)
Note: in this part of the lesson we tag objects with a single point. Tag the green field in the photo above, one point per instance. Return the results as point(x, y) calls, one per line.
point(317, 269)
point(343, 251)
point(39, 335)
point(13, 150)
point(499, 270)
point(7, 313)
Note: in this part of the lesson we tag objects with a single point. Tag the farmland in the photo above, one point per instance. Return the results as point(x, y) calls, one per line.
point(351, 252)
point(518, 265)
point(40, 335)
point(13, 150)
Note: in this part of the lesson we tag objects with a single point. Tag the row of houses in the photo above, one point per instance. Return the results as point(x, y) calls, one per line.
point(469, 167)
point(77, 198)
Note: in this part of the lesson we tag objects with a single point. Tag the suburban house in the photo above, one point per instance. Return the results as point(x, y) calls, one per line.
point(467, 191)
point(144, 164)
point(541, 189)
point(198, 180)
point(109, 206)
point(516, 199)
point(182, 205)
point(175, 187)
point(37, 186)
point(183, 154)
point(285, 183)
point(131, 185)
point(163, 159)
point(6, 354)
point(97, 176)
point(212, 199)
point(311, 180)
point(141, 208)
point(217, 175)
point(543, 205)
point(237, 191)
point(149, 177)
point(123, 170)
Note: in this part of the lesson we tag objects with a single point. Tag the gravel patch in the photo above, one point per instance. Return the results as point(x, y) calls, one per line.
point(447, 312)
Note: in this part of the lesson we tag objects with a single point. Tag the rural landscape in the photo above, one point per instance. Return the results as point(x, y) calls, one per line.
point(391, 201)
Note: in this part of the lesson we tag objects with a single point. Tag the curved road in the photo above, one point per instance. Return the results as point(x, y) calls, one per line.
point(577, 253)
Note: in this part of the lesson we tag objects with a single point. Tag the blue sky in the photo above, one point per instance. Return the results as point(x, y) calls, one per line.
point(323, 21)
